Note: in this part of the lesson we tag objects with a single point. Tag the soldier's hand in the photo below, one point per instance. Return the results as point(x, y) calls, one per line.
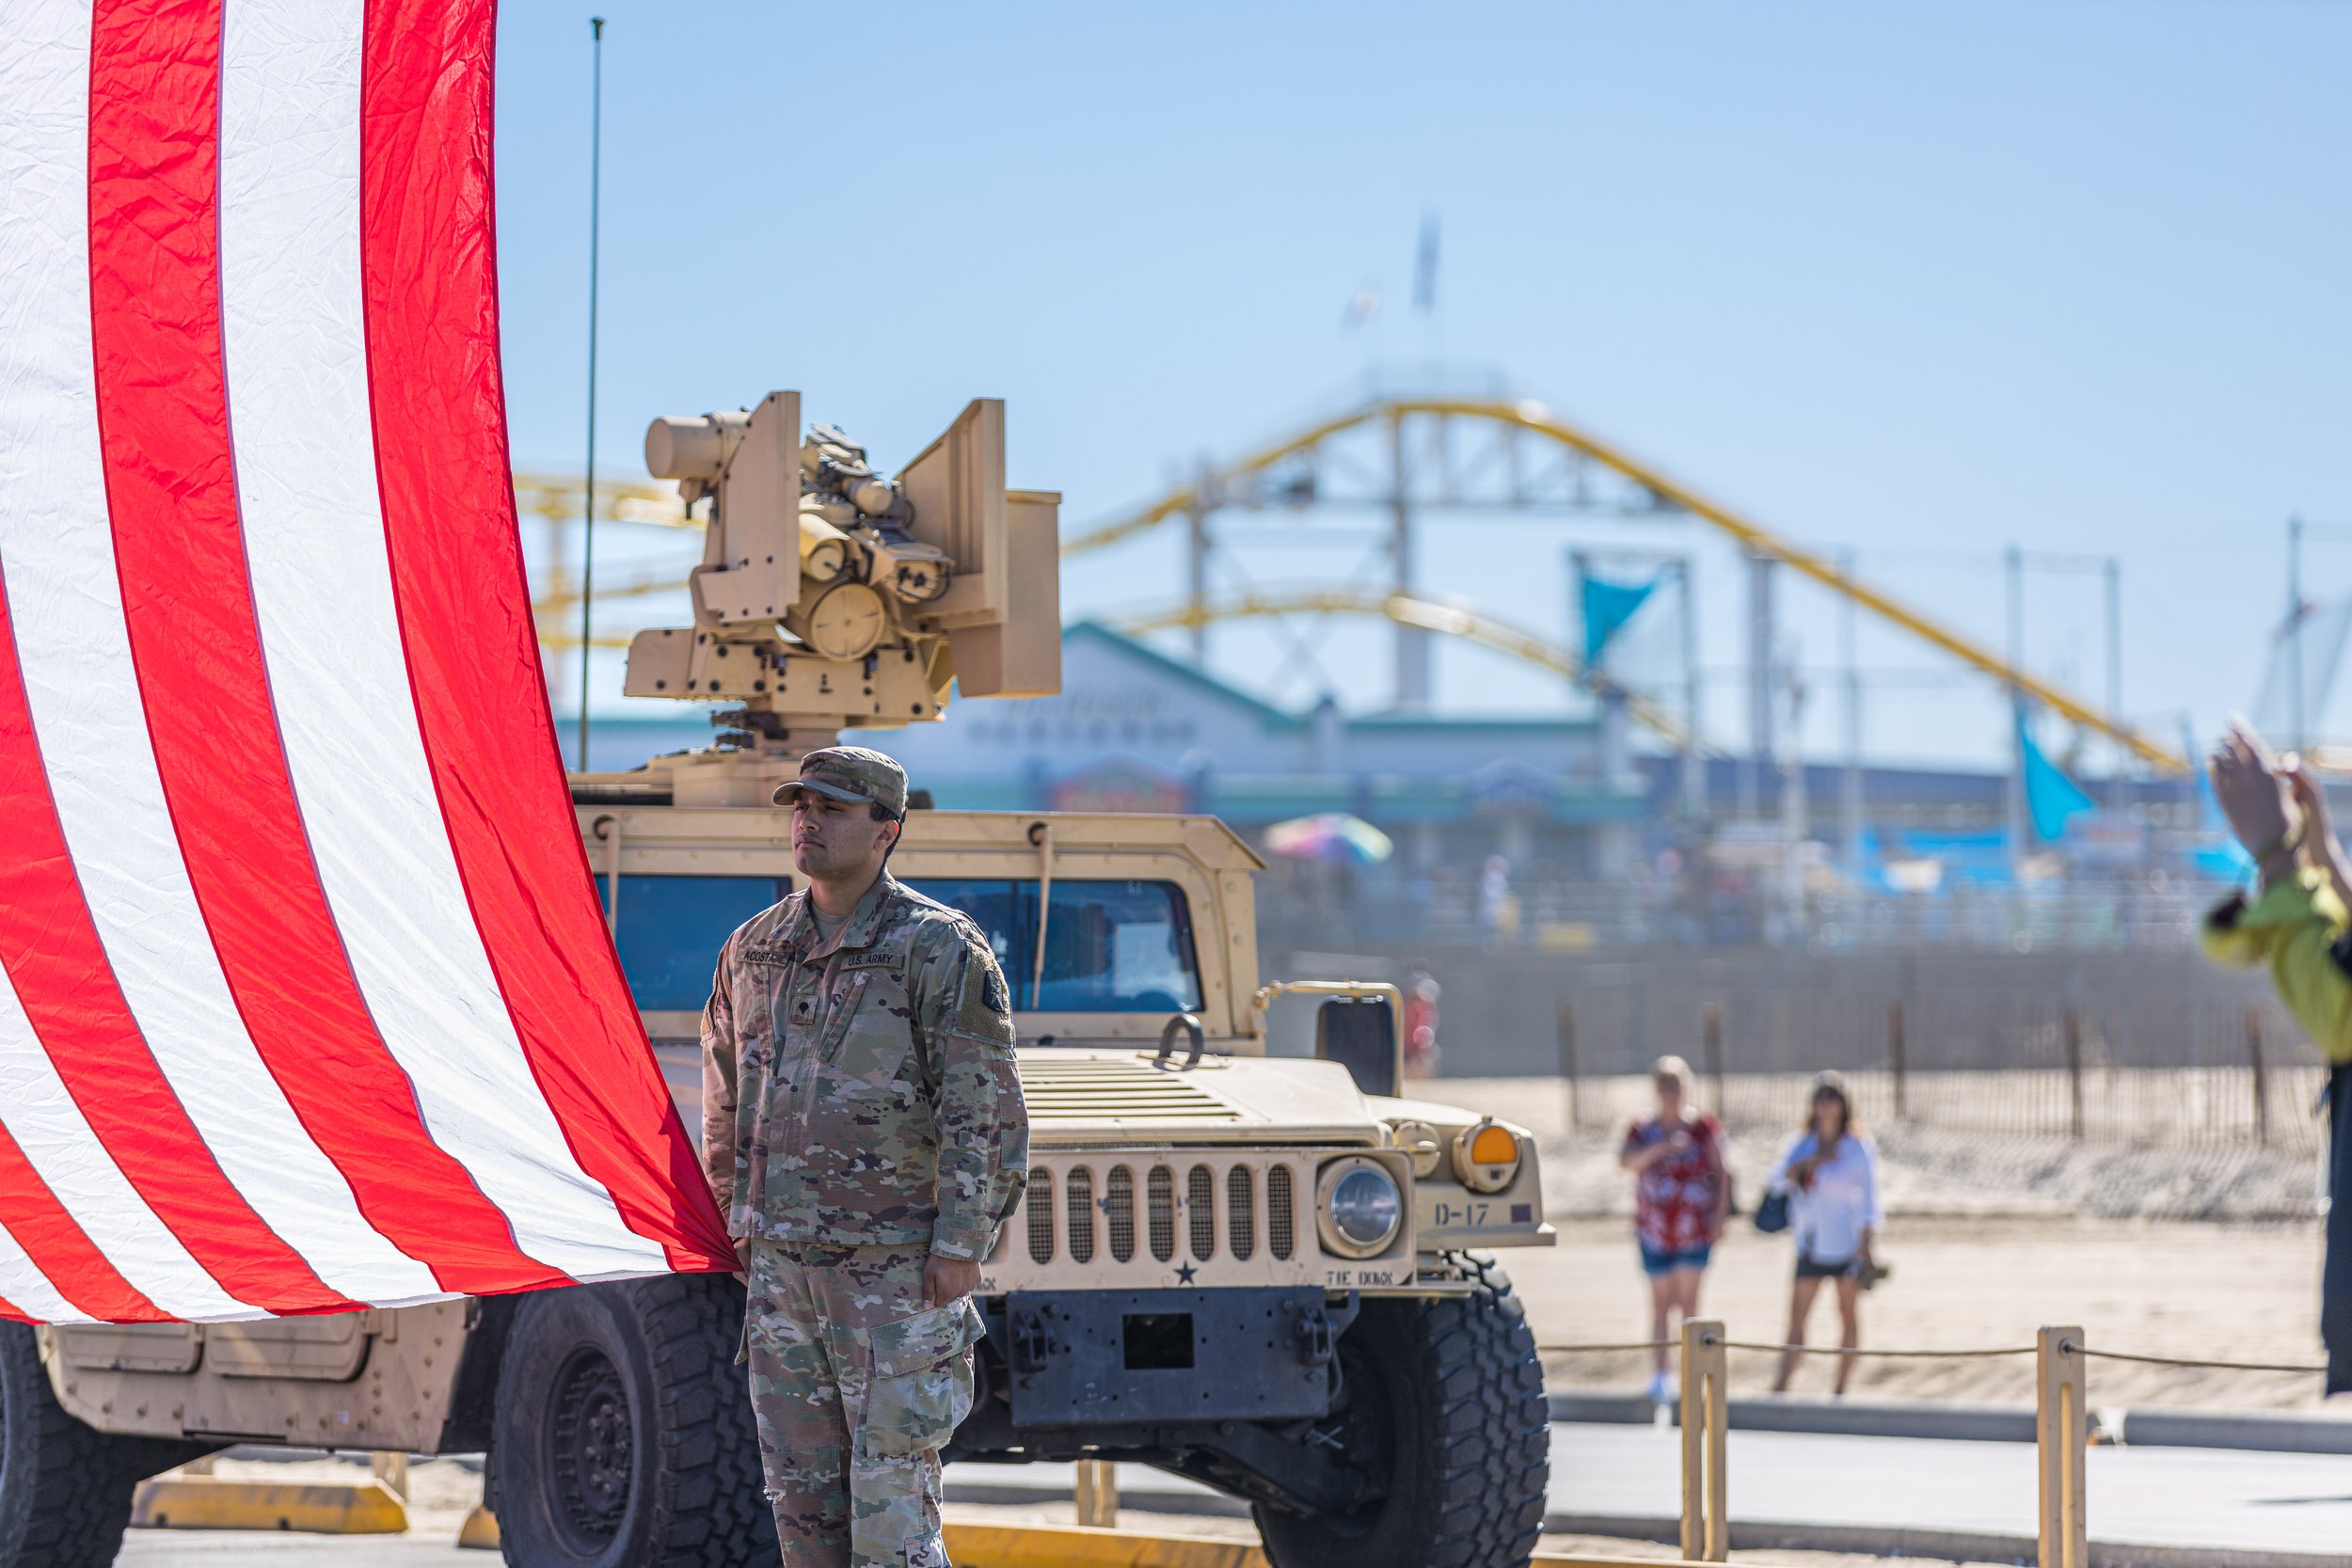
point(946, 1279)
point(743, 1263)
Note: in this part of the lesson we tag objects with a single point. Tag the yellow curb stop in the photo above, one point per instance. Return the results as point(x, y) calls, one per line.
point(1080, 1546)
point(481, 1529)
point(202, 1502)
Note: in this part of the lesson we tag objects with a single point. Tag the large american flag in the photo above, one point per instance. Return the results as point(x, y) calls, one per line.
point(308, 1003)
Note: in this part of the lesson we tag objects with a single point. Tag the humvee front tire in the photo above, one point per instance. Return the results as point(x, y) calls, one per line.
point(65, 1494)
point(623, 1435)
point(1441, 1408)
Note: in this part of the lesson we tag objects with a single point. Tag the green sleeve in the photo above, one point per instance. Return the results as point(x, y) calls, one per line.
point(983, 1124)
point(720, 1088)
point(2293, 928)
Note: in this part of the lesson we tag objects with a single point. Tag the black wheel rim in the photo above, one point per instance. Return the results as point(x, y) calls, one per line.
point(591, 1450)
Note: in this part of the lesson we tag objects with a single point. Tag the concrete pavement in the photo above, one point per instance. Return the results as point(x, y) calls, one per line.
point(1851, 1493)
point(2203, 1500)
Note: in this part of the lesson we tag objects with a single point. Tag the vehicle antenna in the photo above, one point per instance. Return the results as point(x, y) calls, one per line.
point(588, 531)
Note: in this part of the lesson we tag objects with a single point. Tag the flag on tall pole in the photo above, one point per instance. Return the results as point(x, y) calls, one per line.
point(306, 999)
point(1425, 267)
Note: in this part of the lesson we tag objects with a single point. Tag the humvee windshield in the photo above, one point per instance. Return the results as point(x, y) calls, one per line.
point(1110, 947)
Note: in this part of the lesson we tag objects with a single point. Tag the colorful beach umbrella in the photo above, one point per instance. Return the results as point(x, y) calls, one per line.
point(1332, 837)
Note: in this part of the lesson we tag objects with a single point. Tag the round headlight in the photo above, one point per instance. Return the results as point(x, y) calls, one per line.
point(1362, 1209)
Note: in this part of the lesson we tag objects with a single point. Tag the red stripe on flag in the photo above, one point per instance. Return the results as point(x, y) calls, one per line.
point(60, 1248)
point(58, 964)
point(171, 495)
point(430, 275)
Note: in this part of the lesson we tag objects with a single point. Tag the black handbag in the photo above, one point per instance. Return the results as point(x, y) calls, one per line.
point(1771, 1215)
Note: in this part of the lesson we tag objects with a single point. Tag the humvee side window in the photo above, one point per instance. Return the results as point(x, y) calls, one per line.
point(1110, 947)
point(671, 930)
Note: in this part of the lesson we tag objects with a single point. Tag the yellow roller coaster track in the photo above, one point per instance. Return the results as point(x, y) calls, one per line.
point(1539, 420)
point(1406, 609)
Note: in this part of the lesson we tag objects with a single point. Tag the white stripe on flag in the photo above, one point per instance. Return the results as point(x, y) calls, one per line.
point(330, 634)
point(29, 1290)
point(65, 603)
point(57, 1141)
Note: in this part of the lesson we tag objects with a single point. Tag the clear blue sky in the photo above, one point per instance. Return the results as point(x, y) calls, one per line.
point(1917, 279)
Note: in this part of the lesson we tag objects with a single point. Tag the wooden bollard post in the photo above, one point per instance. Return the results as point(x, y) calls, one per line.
point(1712, 1050)
point(392, 1470)
point(1705, 1531)
point(2262, 1088)
point(2062, 1432)
point(1098, 1493)
point(2075, 1070)
point(1567, 1064)
point(1895, 1044)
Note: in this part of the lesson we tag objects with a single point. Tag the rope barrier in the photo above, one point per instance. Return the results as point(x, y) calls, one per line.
point(1886, 1354)
point(2183, 1361)
point(1802, 1349)
point(1971, 1355)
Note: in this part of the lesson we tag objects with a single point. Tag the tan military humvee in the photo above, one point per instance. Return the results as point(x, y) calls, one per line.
point(1244, 1255)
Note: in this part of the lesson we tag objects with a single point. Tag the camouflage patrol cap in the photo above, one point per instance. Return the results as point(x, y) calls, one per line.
point(850, 773)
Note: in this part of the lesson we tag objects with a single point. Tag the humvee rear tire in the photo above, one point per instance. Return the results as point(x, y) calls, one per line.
point(1441, 1406)
point(65, 1499)
point(622, 1434)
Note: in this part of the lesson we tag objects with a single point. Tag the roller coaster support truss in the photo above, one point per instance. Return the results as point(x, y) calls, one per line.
point(1292, 472)
point(1419, 614)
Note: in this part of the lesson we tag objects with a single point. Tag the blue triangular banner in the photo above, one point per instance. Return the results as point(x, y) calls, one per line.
point(1608, 605)
point(2052, 798)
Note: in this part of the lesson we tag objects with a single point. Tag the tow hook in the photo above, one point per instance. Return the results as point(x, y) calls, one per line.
point(1033, 1342)
point(1314, 1331)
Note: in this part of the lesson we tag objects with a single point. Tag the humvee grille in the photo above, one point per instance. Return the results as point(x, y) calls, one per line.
point(1110, 1090)
point(1119, 1210)
point(1160, 1205)
point(1201, 1194)
point(1040, 1202)
point(1081, 1207)
point(1223, 1216)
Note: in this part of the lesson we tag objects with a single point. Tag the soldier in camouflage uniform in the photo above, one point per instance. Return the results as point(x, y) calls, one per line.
point(864, 1130)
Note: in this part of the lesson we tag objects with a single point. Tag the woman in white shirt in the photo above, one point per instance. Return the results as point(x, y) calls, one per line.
point(1830, 1173)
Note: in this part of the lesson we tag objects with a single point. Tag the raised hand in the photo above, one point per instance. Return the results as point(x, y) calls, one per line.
point(2253, 796)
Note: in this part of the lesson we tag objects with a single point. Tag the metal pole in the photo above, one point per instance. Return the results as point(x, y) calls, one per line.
point(2254, 1059)
point(1567, 1064)
point(1896, 1049)
point(1412, 643)
point(1849, 800)
point(2114, 647)
point(588, 531)
point(1760, 694)
point(2014, 565)
point(1711, 1053)
point(2296, 717)
point(1197, 568)
point(2075, 1074)
point(1694, 764)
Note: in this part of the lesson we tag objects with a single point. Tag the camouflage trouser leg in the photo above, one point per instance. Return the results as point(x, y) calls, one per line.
point(838, 1503)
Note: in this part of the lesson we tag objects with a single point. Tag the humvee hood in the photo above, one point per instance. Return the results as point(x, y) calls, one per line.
point(1095, 1097)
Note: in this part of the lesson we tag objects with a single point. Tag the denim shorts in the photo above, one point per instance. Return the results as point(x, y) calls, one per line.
point(1655, 1262)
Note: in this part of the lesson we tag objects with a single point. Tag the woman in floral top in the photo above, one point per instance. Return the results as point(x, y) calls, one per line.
point(1680, 1197)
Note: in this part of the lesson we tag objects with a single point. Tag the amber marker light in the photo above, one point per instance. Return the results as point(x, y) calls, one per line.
point(1486, 1157)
